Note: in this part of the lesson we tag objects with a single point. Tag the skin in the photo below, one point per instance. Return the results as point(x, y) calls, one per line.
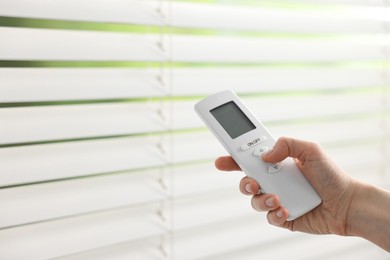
point(349, 207)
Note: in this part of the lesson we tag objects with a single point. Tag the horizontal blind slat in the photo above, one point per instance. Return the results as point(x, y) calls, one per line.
point(314, 106)
point(360, 161)
point(203, 177)
point(192, 15)
point(28, 204)
point(224, 206)
point(252, 80)
point(299, 107)
point(146, 249)
point(61, 84)
point(331, 131)
point(47, 44)
point(343, 20)
point(68, 236)
point(66, 160)
point(116, 11)
point(198, 240)
point(248, 50)
point(80, 121)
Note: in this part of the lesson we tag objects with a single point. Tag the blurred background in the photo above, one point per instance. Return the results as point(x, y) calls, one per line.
point(103, 157)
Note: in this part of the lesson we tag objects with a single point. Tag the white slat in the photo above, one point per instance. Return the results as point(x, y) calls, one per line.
point(252, 50)
point(363, 161)
point(299, 107)
point(68, 236)
point(47, 44)
point(200, 179)
point(81, 121)
point(115, 11)
point(314, 106)
point(342, 20)
point(251, 80)
point(196, 15)
point(58, 84)
point(149, 249)
point(239, 233)
point(28, 204)
point(330, 132)
point(65, 160)
point(224, 206)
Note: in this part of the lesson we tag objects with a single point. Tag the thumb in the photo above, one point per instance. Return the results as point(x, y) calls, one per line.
point(287, 147)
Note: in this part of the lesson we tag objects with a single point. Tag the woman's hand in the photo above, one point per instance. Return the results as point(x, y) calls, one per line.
point(348, 207)
point(335, 188)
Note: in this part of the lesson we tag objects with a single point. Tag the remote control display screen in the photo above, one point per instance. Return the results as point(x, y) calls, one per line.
point(232, 119)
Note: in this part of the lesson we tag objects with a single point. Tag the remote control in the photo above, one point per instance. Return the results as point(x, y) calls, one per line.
point(246, 139)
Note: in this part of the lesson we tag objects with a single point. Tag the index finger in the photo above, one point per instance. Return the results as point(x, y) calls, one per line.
point(226, 163)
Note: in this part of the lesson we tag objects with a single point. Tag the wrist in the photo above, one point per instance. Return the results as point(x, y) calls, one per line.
point(357, 214)
point(368, 215)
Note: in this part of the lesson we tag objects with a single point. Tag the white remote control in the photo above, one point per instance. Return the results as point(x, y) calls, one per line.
point(246, 138)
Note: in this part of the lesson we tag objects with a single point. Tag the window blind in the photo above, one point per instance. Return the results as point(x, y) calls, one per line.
point(102, 156)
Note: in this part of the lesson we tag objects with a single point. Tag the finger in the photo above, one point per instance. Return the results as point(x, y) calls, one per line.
point(249, 186)
point(288, 147)
point(277, 217)
point(226, 163)
point(265, 202)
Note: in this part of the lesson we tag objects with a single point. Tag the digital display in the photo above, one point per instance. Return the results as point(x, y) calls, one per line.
point(232, 119)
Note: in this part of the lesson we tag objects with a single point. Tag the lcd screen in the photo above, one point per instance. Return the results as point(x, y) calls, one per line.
point(232, 119)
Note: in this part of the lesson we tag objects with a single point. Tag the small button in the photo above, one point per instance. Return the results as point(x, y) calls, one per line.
point(275, 167)
point(253, 143)
point(260, 150)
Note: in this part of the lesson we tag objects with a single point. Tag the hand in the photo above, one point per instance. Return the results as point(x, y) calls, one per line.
point(335, 188)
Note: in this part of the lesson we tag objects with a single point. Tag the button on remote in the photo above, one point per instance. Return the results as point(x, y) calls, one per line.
point(260, 150)
point(253, 143)
point(275, 167)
